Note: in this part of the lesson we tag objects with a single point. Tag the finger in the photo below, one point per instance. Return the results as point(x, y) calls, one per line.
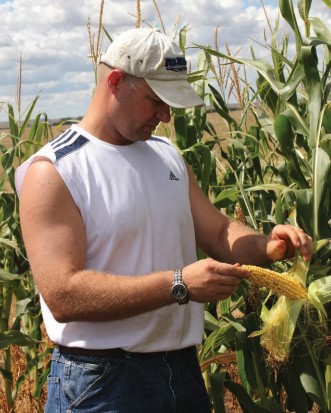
point(226, 291)
point(303, 242)
point(232, 282)
point(306, 248)
point(293, 237)
point(230, 270)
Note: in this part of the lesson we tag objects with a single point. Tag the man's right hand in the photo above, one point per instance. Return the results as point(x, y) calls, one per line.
point(209, 280)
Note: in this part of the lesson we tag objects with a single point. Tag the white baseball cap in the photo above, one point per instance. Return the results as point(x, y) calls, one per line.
point(153, 56)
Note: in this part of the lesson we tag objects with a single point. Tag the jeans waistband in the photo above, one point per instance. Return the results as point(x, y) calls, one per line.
point(118, 352)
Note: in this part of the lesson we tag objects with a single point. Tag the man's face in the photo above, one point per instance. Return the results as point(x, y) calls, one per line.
point(138, 112)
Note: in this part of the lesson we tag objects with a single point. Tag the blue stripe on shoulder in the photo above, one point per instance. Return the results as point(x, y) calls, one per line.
point(78, 143)
point(63, 139)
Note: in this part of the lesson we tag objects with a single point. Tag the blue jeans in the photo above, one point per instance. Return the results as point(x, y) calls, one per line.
point(166, 383)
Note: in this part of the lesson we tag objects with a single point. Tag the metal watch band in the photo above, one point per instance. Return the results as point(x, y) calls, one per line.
point(178, 279)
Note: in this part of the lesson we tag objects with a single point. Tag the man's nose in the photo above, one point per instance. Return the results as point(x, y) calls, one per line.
point(163, 112)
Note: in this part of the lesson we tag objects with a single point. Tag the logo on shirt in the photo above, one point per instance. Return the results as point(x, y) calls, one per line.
point(173, 177)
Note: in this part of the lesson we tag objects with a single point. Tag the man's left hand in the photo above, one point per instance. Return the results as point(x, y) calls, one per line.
point(284, 239)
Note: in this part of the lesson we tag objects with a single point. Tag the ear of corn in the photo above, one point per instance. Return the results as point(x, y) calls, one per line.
point(280, 284)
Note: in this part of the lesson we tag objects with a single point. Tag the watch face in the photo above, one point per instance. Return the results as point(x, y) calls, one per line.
point(179, 291)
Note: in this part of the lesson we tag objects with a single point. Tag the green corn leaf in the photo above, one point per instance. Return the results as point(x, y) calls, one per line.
point(295, 172)
point(279, 213)
point(262, 66)
point(206, 167)
point(284, 133)
point(245, 362)
point(328, 3)
point(205, 161)
point(7, 375)
point(246, 402)
point(292, 82)
point(7, 276)
point(13, 126)
point(211, 323)
point(304, 198)
point(322, 173)
point(181, 128)
point(296, 120)
point(314, 89)
point(321, 30)
point(28, 116)
point(270, 187)
point(203, 65)
point(217, 391)
point(241, 360)
point(327, 124)
point(312, 384)
point(238, 326)
point(267, 71)
point(267, 94)
point(299, 267)
point(38, 391)
point(221, 108)
point(10, 243)
point(278, 54)
point(224, 335)
point(225, 198)
point(182, 37)
point(304, 7)
point(37, 132)
point(16, 338)
point(252, 344)
point(296, 395)
point(287, 11)
point(327, 364)
point(186, 135)
point(319, 294)
point(32, 364)
point(196, 76)
point(107, 34)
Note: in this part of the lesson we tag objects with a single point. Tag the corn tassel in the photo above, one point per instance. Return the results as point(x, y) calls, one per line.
point(280, 284)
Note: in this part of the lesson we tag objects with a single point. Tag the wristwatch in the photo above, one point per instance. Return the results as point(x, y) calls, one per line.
point(179, 289)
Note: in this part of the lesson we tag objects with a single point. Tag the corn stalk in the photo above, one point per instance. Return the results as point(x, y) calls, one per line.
point(280, 170)
point(17, 290)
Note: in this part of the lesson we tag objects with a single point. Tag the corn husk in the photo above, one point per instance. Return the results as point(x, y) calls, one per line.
point(319, 293)
point(279, 322)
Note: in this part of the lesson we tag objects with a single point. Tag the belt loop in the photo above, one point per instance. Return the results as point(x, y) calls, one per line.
point(56, 354)
point(127, 354)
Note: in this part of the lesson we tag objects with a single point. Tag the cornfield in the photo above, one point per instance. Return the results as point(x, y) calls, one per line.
point(262, 351)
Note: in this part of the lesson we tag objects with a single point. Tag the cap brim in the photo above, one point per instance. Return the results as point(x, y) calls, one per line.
point(176, 93)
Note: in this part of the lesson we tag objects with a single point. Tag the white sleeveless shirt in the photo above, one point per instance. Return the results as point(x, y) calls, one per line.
point(135, 206)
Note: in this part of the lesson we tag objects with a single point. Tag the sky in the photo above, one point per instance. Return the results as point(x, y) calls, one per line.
point(52, 39)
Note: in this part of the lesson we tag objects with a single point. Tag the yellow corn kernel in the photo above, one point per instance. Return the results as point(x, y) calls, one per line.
point(280, 284)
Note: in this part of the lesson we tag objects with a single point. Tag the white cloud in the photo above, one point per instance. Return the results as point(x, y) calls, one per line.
point(52, 38)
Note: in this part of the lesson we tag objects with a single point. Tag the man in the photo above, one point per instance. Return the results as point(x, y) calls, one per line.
point(111, 217)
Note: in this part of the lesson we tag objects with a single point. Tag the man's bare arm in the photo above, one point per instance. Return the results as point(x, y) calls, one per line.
point(232, 242)
point(55, 240)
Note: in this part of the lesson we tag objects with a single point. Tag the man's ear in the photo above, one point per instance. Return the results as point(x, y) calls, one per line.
point(114, 79)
